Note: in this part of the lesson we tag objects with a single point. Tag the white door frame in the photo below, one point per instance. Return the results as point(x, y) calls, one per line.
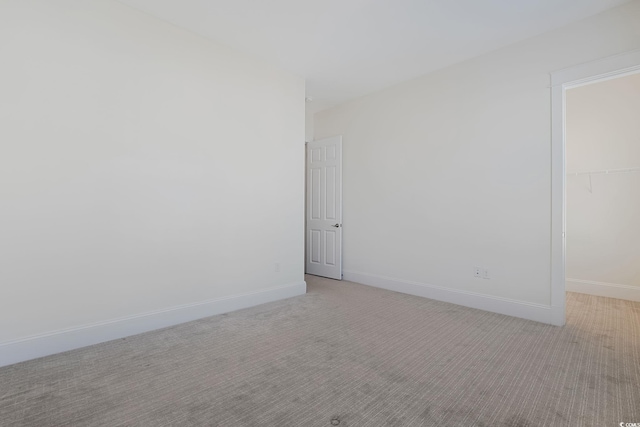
point(592, 72)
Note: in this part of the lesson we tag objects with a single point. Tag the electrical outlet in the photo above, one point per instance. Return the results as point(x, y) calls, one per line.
point(477, 272)
point(277, 267)
point(485, 273)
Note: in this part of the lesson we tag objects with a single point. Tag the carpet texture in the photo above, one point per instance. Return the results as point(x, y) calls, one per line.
point(348, 355)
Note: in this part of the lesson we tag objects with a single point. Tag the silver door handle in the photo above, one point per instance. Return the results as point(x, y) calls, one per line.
point(336, 225)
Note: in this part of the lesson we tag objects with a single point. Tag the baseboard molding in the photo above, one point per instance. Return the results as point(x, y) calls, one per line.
point(524, 310)
point(609, 290)
point(69, 339)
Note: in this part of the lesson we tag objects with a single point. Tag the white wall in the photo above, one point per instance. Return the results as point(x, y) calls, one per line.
point(603, 226)
point(142, 168)
point(452, 170)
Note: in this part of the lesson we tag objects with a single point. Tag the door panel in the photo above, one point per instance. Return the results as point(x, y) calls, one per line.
point(324, 208)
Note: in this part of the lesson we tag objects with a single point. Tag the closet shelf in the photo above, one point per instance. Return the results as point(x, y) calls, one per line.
point(605, 171)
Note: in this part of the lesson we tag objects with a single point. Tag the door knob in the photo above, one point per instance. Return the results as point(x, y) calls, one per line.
point(336, 225)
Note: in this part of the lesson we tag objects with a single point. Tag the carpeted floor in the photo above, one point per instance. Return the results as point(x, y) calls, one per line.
point(347, 355)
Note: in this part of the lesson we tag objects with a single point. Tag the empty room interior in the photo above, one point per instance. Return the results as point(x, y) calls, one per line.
point(303, 213)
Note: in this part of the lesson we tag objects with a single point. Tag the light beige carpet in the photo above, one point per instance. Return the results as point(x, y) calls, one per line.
point(347, 355)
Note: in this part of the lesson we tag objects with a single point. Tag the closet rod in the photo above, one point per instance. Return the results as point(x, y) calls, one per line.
point(605, 171)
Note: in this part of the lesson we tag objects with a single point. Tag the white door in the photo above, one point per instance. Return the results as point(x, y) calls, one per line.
point(324, 207)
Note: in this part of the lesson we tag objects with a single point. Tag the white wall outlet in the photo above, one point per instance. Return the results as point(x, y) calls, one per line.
point(277, 267)
point(485, 273)
point(477, 272)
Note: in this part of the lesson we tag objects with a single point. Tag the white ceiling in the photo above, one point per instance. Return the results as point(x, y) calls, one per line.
point(348, 48)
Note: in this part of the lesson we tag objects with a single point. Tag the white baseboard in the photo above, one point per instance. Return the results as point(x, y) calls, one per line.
point(524, 310)
point(609, 290)
point(69, 339)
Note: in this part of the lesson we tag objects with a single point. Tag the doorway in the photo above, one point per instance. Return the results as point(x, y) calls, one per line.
point(602, 140)
point(562, 81)
point(324, 208)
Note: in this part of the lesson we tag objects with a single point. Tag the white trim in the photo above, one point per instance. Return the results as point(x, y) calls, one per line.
point(68, 339)
point(558, 179)
point(601, 289)
point(525, 310)
point(603, 69)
